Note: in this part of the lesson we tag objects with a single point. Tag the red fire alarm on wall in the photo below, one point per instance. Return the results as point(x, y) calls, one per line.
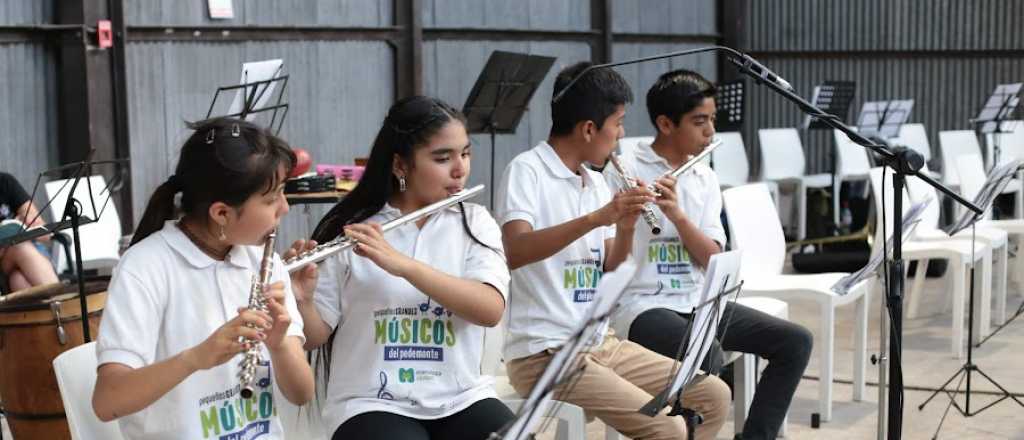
point(104, 34)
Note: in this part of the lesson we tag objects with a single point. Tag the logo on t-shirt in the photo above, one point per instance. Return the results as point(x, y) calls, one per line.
point(225, 415)
point(671, 261)
point(581, 277)
point(418, 333)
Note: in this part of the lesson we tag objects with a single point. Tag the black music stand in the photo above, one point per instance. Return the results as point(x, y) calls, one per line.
point(74, 217)
point(998, 180)
point(835, 98)
point(501, 95)
point(254, 94)
point(729, 100)
point(698, 338)
point(992, 117)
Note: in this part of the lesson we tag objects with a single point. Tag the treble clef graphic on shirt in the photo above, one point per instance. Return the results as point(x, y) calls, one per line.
point(382, 393)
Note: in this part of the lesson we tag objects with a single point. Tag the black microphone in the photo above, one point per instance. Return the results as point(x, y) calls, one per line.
point(759, 71)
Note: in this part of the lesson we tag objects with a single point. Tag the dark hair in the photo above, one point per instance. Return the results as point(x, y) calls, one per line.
point(594, 97)
point(410, 123)
point(676, 93)
point(224, 160)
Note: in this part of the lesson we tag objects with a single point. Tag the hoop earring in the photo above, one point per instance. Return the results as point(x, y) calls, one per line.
point(222, 236)
point(401, 184)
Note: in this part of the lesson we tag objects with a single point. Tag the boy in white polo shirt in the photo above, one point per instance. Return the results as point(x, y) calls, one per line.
point(681, 105)
point(562, 228)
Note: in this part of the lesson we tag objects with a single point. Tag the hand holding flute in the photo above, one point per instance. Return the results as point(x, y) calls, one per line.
point(630, 184)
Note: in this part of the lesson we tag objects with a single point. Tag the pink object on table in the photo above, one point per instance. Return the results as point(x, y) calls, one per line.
point(342, 172)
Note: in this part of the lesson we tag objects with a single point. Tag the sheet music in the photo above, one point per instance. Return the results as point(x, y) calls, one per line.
point(999, 106)
point(997, 181)
point(910, 221)
point(722, 274)
point(884, 118)
point(609, 292)
point(253, 72)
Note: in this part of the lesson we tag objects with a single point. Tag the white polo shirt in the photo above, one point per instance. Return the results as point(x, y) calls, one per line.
point(396, 350)
point(166, 296)
point(666, 276)
point(551, 297)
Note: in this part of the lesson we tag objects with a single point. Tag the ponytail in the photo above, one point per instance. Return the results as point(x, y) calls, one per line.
point(159, 209)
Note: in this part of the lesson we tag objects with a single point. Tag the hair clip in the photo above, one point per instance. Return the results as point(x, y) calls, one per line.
point(235, 131)
point(209, 136)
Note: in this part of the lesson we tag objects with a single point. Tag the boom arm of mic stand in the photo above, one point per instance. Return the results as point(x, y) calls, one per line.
point(856, 137)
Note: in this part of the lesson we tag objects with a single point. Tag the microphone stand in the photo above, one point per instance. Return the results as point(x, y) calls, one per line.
point(903, 161)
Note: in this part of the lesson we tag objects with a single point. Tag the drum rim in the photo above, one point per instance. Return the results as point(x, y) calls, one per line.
point(38, 305)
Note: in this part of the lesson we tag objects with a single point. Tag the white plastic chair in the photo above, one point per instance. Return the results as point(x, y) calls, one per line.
point(956, 143)
point(745, 370)
point(928, 230)
point(101, 239)
point(754, 228)
point(972, 178)
point(1011, 143)
point(853, 165)
point(1011, 146)
point(730, 160)
point(76, 378)
point(958, 252)
point(782, 162)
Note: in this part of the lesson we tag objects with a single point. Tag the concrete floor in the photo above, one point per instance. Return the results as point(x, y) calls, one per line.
point(927, 364)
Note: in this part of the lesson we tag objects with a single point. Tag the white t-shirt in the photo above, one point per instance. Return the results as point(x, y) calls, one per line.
point(551, 297)
point(396, 350)
point(166, 296)
point(666, 277)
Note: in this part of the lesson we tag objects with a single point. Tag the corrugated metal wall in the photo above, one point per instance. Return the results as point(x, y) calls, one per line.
point(336, 91)
point(369, 13)
point(28, 143)
point(339, 91)
point(948, 55)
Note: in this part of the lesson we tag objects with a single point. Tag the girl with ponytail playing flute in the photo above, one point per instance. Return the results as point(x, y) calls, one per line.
point(400, 321)
point(169, 342)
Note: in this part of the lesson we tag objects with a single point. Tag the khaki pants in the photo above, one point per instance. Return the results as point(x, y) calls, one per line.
point(620, 377)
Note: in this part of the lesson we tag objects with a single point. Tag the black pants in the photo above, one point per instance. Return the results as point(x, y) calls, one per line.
point(786, 346)
point(474, 423)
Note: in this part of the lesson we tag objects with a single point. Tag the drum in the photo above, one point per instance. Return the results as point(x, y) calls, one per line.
point(36, 325)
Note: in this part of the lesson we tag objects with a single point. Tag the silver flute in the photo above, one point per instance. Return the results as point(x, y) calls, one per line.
point(695, 159)
point(257, 301)
point(686, 165)
point(324, 250)
point(648, 214)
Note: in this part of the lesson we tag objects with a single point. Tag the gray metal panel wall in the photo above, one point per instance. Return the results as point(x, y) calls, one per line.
point(641, 76)
point(665, 16)
point(944, 54)
point(449, 70)
point(336, 103)
point(802, 25)
point(15, 12)
point(503, 14)
point(368, 13)
point(27, 89)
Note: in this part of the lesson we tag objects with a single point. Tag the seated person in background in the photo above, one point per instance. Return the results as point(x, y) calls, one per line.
point(25, 264)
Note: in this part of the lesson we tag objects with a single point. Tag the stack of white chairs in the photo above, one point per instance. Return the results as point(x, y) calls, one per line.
point(782, 164)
